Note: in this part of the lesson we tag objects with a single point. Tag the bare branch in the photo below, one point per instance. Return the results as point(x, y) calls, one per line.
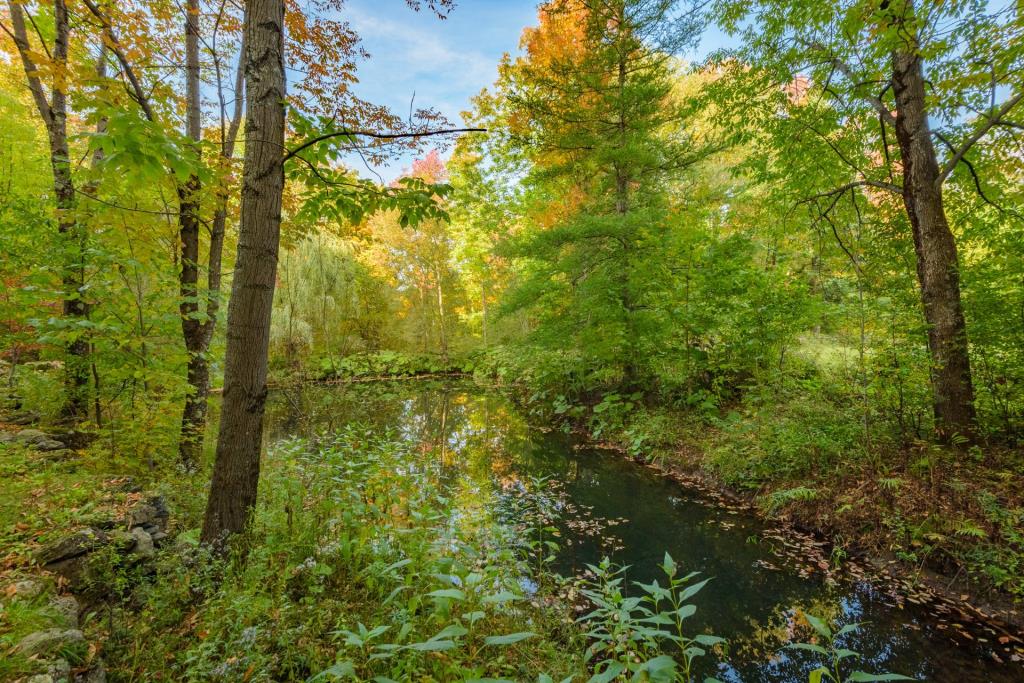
point(378, 136)
point(977, 135)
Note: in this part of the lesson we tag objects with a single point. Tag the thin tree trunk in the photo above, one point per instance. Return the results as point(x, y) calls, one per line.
point(237, 465)
point(622, 182)
point(441, 317)
point(193, 417)
point(199, 335)
point(938, 270)
point(54, 116)
point(483, 312)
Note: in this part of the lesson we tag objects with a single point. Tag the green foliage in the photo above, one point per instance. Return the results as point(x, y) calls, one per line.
point(383, 364)
point(363, 569)
point(328, 302)
point(643, 636)
point(783, 440)
point(333, 192)
point(838, 659)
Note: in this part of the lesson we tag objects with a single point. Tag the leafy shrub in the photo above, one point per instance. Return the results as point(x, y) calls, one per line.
point(631, 634)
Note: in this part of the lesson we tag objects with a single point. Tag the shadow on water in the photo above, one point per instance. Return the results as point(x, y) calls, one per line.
point(483, 443)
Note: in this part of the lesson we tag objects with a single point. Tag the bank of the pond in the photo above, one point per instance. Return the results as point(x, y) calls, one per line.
point(847, 524)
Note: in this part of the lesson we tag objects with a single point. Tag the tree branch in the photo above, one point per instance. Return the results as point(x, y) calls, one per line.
point(876, 102)
point(977, 135)
point(20, 37)
point(115, 47)
point(379, 136)
point(977, 182)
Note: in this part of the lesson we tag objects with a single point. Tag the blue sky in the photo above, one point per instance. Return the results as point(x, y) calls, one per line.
point(444, 63)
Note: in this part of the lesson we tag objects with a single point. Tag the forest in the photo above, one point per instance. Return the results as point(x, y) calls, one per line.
point(691, 349)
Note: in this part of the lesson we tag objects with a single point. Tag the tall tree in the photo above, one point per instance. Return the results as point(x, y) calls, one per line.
point(193, 417)
point(868, 66)
point(237, 465)
point(590, 104)
point(53, 111)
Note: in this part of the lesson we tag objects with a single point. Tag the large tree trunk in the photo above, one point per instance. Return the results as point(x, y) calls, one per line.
point(938, 271)
point(193, 416)
point(237, 466)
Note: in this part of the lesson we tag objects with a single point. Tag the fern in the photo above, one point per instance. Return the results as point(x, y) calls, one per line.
point(778, 499)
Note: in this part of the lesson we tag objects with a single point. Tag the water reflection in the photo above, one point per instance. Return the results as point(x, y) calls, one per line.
point(483, 448)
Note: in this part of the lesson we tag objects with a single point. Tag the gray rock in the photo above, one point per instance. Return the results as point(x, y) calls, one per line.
point(26, 589)
point(32, 436)
point(37, 439)
point(50, 445)
point(59, 670)
point(74, 570)
point(153, 512)
point(96, 674)
point(72, 546)
point(66, 607)
point(143, 543)
point(7, 437)
point(41, 678)
point(122, 540)
point(52, 640)
point(23, 418)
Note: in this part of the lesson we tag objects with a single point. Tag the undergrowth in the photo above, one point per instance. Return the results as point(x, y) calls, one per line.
point(362, 564)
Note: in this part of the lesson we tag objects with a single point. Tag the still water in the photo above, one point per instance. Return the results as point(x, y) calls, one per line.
point(755, 596)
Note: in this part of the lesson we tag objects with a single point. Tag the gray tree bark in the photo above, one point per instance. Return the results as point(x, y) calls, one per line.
point(938, 270)
point(237, 466)
point(193, 417)
point(54, 114)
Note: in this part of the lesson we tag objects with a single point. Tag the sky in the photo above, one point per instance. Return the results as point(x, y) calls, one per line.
point(443, 64)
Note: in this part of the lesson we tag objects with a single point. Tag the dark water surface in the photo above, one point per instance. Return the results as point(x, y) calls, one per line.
point(483, 442)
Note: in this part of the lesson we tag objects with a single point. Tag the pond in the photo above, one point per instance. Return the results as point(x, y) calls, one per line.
point(482, 441)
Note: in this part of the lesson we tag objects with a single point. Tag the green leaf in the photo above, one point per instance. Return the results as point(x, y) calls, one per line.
point(344, 669)
point(818, 625)
point(508, 638)
point(815, 676)
point(861, 677)
point(609, 674)
point(809, 647)
point(432, 646)
point(661, 669)
point(690, 591)
point(450, 631)
point(449, 593)
point(500, 598)
point(849, 628)
point(708, 640)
